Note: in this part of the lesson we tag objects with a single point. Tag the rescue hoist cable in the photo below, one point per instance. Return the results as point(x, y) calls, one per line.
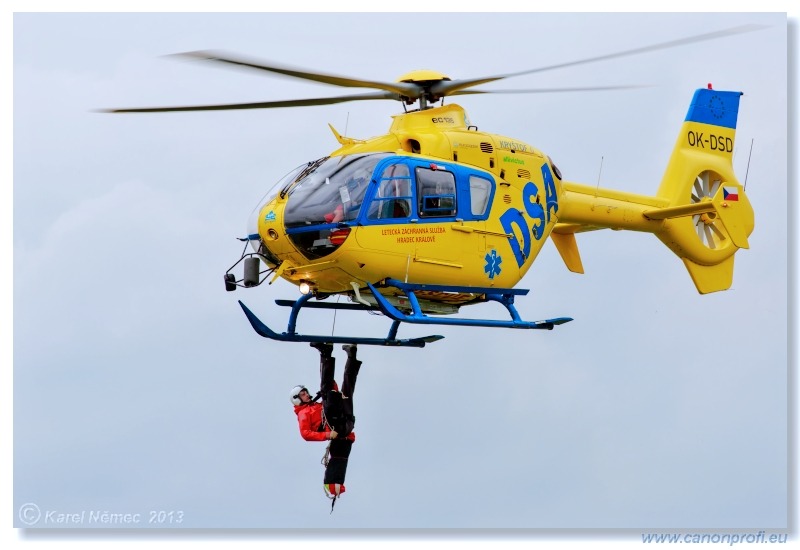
point(333, 325)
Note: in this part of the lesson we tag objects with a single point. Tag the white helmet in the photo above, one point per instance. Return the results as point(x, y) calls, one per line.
point(294, 396)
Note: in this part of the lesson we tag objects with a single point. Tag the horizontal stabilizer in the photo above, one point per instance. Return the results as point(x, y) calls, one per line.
point(726, 205)
point(679, 211)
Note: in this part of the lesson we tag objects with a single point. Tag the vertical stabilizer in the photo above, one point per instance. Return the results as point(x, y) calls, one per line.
point(709, 217)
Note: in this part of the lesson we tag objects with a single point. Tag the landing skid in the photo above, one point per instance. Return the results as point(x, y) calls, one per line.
point(292, 336)
point(504, 296)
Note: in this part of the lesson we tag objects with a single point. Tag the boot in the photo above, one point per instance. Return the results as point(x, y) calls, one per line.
point(324, 348)
point(351, 350)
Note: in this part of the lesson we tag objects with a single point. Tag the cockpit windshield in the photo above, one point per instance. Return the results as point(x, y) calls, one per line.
point(331, 192)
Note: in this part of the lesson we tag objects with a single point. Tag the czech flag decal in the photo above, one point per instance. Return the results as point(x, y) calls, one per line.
point(730, 193)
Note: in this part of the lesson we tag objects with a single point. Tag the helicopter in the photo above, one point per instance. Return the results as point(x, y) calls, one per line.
point(436, 215)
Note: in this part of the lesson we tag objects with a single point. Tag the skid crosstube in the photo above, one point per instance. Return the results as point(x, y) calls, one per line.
point(292, 336)
point(504, 296)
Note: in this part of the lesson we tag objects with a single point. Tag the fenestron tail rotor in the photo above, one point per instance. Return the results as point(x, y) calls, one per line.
point(709, 229)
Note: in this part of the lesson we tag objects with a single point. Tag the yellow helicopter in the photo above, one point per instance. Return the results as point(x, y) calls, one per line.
point(436, 215)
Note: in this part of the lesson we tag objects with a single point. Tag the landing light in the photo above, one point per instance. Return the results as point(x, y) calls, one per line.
point(305, 288)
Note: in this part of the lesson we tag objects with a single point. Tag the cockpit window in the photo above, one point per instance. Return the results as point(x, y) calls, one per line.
point(331, 192)
point(393, 197)
point(324, 196)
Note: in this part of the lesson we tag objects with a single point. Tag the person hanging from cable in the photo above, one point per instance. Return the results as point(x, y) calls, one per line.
point(333, 419)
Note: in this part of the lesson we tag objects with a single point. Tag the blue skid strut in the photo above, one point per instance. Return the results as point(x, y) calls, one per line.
point(504, 296)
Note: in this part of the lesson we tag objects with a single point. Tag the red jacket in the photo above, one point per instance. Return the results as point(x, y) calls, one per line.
point(309, 418)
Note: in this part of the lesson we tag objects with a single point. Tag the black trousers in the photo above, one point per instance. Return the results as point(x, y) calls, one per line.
point(338, 408)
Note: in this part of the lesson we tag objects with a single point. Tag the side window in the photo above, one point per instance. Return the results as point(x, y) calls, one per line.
point(479, 191)
point(436, 190)
point(393, 198)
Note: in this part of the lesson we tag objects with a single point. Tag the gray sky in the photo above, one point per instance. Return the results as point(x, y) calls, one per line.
point(139, 386)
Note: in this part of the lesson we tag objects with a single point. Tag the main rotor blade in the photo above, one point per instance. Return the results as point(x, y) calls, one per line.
point(551, 90)
point(448, 87)
point(261, 105)
point(402, 88)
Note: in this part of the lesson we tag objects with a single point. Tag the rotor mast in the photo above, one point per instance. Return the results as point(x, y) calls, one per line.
point(424, 81)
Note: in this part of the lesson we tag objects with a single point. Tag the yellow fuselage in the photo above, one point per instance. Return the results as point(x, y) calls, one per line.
point(447, 250)
point(509, 198)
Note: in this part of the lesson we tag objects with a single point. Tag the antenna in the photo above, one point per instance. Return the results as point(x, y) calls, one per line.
point(747, 172)
point(598, 177)
point(346, 122)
